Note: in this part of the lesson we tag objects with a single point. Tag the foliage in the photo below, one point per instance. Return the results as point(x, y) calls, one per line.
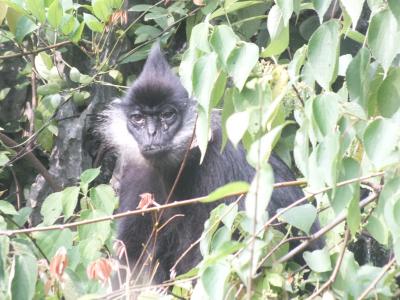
point(316, 79)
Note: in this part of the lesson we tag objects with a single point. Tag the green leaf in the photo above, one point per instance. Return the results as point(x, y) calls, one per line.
point(76, 36)
point(89, 249)
point(321, 6)
point(3, 12)
point(44, 65)
point(4, 92)
point(48, 89)
point(102, 9)
point(278, 32)
point(210, 226)
point(76, 76)
point(24, 27)
point(7, 208)
point(357, 78)
point(259, 194)
point(344, 61)
point(52, 208)
point(323, 53)
point(69, 24)
point(230, 189)
point(326, 112)
point(232, 7)
point(340, 200)
point(241, 62)
point(318, 260)
point(297, 62)
point(223, 40)
point(25, 276)
point(23, 215)
point(381, 140)
point(12, 16)
point(93, 23)
point(262, 148)
point(389, 94)
point(354, 216)
point(95, 231)
point(36, 7)
point(377, 228)
point(69, 200)
point(199, 37)
point(140, 7)
point(202, 133)
point(214, 280)
point(354, 9)
point(87, 177)
point(301, 217)
point(375, 5)
point(68, 5)
point(3, 158)
point(50, 241)
point(394, 7)
point(383, 37)
point(236, 126)
point(328, 158)
point(287, 7)
point(103, 197)
point(80, 98)
point(55, 13)
point(205, 74)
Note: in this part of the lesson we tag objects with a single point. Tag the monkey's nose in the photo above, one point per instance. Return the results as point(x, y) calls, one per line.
point(151, 129)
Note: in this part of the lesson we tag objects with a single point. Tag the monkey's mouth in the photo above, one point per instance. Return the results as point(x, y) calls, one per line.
point(153, 150)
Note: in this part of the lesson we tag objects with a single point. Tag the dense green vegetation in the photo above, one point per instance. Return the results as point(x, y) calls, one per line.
point(316, 81)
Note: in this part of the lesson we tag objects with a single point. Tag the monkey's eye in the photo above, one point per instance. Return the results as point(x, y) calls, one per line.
point(168, 115)
point(137, 118)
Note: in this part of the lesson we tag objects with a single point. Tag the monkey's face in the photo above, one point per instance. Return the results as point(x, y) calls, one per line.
point(156, 117)
point(154, 128)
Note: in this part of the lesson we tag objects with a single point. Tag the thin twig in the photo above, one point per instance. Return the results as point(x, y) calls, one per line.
point(339, 219)
point(36, 163)
point(9, 219)
point(298, 94)
point(373, 284)
point(33, 98)
point(129, 27)
point(336, 269)
point(161, 33)
point(17, 188)
point(255, 221)
point(109, 218)
point(154, 233)
point(285, 240)
point(313, 194)
point(23, 53)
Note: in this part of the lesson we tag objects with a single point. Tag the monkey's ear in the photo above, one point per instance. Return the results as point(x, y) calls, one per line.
point(156, 64)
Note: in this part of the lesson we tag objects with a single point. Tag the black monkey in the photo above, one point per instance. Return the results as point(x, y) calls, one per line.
point(151, 128)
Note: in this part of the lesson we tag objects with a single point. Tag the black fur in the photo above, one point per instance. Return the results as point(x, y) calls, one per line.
point(155, 173)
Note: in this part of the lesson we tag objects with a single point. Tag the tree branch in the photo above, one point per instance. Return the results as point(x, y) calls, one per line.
point(36, 163)
point(23, 53)
point(339, 219)
point(373, 284)
point(337, 267)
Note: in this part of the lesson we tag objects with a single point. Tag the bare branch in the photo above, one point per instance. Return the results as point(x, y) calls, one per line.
point(337, 267)
point(36, 163)
point(23, 53)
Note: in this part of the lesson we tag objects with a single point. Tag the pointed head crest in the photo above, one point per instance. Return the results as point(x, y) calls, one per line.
point(157, 83)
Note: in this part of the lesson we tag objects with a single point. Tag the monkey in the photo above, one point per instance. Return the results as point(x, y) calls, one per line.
point(151, 130)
